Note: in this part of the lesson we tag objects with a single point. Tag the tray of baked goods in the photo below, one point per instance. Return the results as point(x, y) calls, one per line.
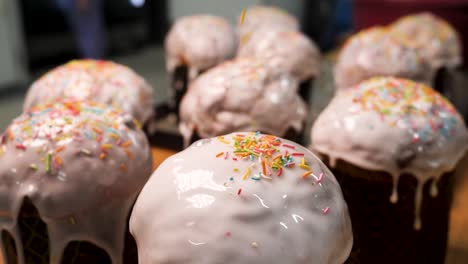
point(266, 152)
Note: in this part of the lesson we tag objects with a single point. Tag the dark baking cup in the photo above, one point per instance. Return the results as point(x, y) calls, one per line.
point(452, 84)
point(36, 244)
point(305, 90)
point(383, 231)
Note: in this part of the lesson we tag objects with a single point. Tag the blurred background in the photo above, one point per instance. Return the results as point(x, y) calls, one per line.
point(37, 35)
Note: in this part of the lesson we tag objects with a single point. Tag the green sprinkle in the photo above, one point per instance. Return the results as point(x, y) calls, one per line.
point(48, 162)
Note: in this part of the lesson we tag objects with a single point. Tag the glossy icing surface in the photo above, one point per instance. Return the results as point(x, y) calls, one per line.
point(432, 36)
point(81, 165)
point(258, 18)
point(199, 42)
point(396, 126)
point(289, 51)
point(242, 94)
point(375, 52)
point(242, 198)
point(101, 81)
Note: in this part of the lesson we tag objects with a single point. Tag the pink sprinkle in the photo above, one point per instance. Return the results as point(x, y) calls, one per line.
point(326, 210)
point(320, 178)
point(226, 156)
point(21, 146)
point(297, 154)
point(228, 234)
point(280, 171)
point(239, 191)
point(99, 138)
point(289, 146)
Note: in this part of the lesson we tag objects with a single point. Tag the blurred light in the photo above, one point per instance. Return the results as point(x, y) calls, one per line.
point(137, 3)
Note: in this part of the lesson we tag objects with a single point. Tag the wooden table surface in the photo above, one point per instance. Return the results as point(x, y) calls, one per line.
point(458, 237)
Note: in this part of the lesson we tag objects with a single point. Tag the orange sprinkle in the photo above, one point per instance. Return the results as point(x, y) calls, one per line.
point(97, 130)
point(306, 174)
point(102, 155)
point(123, 167)
point(126, 143)
point(263, 167)
point(129, 154)
point(58, 160)
point(219, 154)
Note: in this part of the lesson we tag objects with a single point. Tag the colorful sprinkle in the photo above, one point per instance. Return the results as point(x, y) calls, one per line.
point(33, 166)
point(239, 191)
point(219, 154)
point(247, 174)
point(326, 210)
point(306, 174)
point(48, 162)
point(21, 146)
point(242, 16)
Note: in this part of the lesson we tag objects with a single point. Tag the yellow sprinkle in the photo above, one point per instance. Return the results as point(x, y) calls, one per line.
point(254, 244)
point(107, 146)
point(114, 136)
point(247, 174)
point(137, 123)
point(244, 39)
point(304, 166)
point(306, 174)
point(236, 170)
point(72, 220)
point(219, 154)
point(223, 140)
point(242, 16)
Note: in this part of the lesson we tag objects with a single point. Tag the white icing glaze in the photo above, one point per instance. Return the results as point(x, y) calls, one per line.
point(101, 81)
point(432, 36)
point(259, 18)
point(81, 165)
point(289, 51)
point(199, 42)
point(395, 126)
point(375, 52)
point(241, 94)
point(192, 211)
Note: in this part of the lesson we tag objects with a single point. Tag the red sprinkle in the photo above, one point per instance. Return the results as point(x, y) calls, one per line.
point(239, 191)
point(228, 234)
point(21, 146)
point(297, 154)
point(234, 158)
point(289, 146)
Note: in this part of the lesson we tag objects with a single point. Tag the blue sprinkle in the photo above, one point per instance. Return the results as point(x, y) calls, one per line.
point(87, 135)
